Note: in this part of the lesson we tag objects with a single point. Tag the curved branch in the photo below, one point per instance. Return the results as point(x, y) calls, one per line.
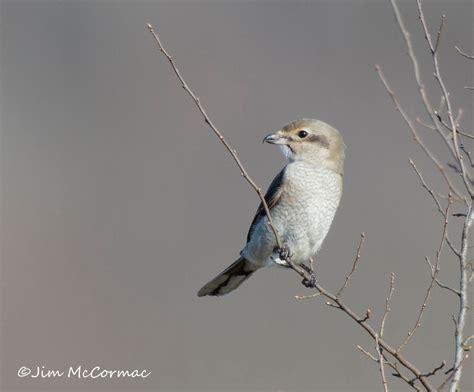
point(207, 120)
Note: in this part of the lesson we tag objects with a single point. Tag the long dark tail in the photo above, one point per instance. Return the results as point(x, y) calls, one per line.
point(229, 279)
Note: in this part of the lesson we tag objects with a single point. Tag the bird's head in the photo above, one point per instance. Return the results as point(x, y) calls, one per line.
point(311, 141)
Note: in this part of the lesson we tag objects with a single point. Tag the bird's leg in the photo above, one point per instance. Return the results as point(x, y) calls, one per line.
point(309, 282)
point(285, 252)
point(283, 258)
point(284, 255)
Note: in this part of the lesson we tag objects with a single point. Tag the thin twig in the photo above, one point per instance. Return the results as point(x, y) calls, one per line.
point(387, 304)
point(463, 283)
point(463, 133)
point(438, 282)
point(468, 154)
point(437, 202)
point(436, 369)
point(399, 374)
point(416, 136)
point(449, 108)
point(354, 265)
point(423, 94)
point(317, 294)
point(468, 339)
point(433, 279)
point(381, 363)
point(440, 29)
point(207, 120)
point(452, 372)
point(448, 127)
point(464, 54)
point(363, 350)
point(337, 303)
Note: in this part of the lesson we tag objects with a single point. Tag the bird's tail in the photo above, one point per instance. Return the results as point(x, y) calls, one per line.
point(229, 279)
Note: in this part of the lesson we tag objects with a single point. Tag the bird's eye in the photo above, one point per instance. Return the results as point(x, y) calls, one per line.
point(302, 134)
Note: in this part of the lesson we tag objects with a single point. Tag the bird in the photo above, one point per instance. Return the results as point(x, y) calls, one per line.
point(302, 200)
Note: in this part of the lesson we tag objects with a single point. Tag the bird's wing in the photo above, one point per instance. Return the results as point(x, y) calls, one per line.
point(272, 197)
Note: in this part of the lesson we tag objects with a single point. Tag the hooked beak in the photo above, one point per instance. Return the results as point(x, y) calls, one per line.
point(275, 138)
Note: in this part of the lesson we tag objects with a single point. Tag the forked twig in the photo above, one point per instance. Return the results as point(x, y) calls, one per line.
point(437, 202)
point(417, 137)
point(454, 147)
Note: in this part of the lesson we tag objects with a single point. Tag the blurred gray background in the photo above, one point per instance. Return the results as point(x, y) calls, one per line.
point(118, 203)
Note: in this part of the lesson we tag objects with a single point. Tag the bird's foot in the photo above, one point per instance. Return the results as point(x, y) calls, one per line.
point(285, 253)
point(309, 282)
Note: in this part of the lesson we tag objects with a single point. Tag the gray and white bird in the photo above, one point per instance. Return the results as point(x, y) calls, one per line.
point(302, 199)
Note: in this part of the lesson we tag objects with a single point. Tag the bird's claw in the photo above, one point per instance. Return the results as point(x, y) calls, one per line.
point(310, 282)
point(285, 253)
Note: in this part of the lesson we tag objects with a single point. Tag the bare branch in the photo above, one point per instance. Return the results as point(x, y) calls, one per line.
point(452, 144)
point(436, 369)
point(381, 363)
point(452, 372)
point(464, 54)
point(442, 285)
point(463, 298)
point(437, 75)
point(468, 154)
point(457, 120)
point(387, 304)
point(363, 350)
point(459, 355)
point(354, 265)
point(466, 342)
point(399, 374)
point(317, 294)
point(437, 202)
point(232, 151)
point(448, 127)
point(367, 315)
point(337, 303)
point(463, 133)
point(434, 274)
point(416, 136)
point(439, 32)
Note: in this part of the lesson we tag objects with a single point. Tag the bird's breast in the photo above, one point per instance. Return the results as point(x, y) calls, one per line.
point(302, 216)
point(307, 208)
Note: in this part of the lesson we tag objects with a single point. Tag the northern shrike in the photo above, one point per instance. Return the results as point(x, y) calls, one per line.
point(302, 199)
